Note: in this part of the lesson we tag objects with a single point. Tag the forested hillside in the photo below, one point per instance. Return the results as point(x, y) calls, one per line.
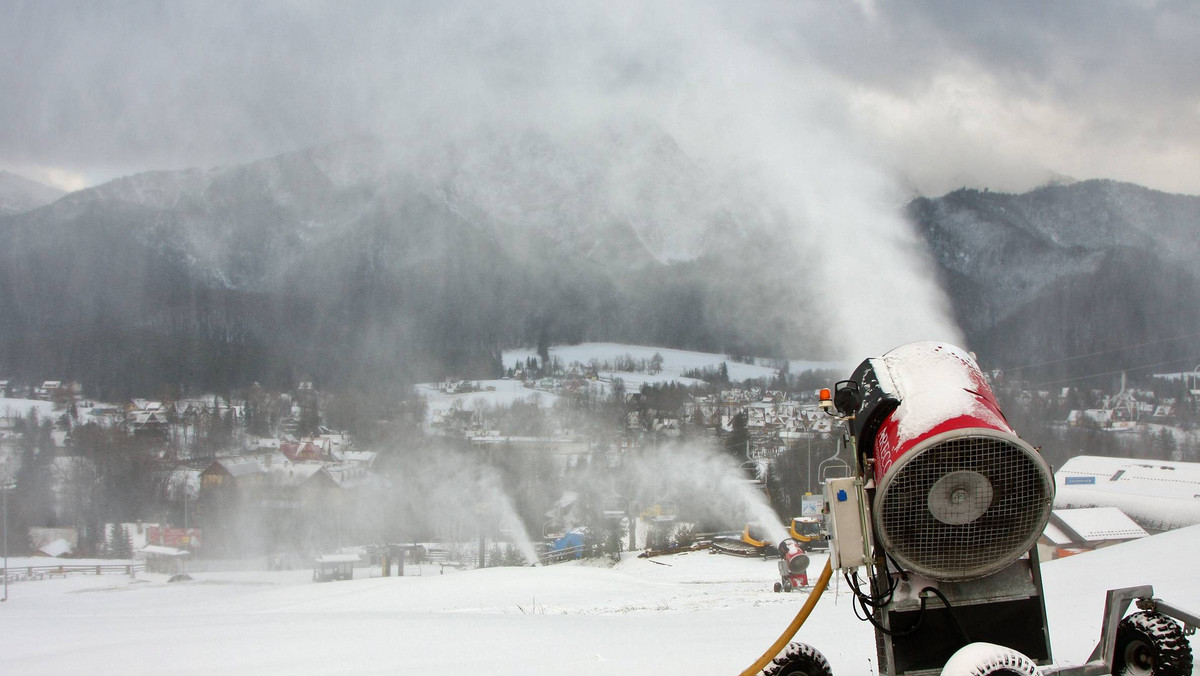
point(342, 266)
point(357, 263)
point(1095, 268)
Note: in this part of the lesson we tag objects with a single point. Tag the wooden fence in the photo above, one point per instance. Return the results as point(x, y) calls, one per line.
point(21, 573)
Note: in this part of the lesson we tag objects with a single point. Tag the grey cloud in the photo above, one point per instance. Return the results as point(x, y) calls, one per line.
point(113, 87)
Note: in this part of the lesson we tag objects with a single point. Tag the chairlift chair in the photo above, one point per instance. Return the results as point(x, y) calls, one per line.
point(553, 529)
point(664, 510)
point(616, 507)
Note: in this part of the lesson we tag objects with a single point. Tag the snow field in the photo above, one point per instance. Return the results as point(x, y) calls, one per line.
point(501, 393)
point(495, 393)
point(692, 613)
point(675, 362)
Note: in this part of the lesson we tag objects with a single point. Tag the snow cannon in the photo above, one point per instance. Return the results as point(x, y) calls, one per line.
point(943, 510)
point(957, 494)
point(793, 566)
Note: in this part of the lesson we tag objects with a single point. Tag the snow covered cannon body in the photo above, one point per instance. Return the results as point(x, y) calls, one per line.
point(943, 512)
point(956, 503)
point(957, 494)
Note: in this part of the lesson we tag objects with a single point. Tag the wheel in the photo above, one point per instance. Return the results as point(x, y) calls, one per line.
point(798, 659)
point(787, 585)
point(989, 659)
point(778, 587)
point(1150, 644)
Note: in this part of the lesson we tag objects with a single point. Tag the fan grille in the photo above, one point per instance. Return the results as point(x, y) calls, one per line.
point(992, 497)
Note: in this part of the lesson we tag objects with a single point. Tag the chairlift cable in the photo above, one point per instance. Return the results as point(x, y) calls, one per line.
point(1095, 354)
point(1110, 373)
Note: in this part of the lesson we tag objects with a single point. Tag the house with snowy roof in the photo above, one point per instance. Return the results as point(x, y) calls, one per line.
point(300, 475)
point(148, 423)
point(47, 390)
point(1159, 495)
point(1072, 531)
point(230, 472)
point(364, 459)
point(306, 451)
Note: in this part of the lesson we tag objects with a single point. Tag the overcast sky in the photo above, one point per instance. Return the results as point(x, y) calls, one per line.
point(933, 95)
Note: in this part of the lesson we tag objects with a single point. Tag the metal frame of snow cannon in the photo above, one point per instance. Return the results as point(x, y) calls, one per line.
point(1116, 603)
point(929, 595)
point(922, 621)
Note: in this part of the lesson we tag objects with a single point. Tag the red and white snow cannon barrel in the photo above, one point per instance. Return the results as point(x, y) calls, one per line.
point(793, 566)
point(957, 494)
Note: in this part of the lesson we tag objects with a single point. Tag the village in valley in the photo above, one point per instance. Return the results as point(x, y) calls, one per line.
point(288, 476)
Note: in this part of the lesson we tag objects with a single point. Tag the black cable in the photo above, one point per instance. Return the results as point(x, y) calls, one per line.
point(949, 610)
point(868, 604)
point(868, 599)
point(896, 564)
point(906, 632)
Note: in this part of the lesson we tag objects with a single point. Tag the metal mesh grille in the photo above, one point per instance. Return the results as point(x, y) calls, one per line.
point(1012, 514)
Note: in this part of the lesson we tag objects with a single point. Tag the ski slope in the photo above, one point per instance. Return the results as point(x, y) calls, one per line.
point(691, 613)
point(674, 362)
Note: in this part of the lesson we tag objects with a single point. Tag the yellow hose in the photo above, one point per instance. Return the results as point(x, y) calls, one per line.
point(817, 590)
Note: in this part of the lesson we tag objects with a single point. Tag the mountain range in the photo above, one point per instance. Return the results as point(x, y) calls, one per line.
point(19, 194)
point(371, 261)
point(1071, 280)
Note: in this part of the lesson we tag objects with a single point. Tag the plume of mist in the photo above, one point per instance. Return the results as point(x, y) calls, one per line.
point(782, 164)
point(472, 96)
point(456, 496)
point(708, 487)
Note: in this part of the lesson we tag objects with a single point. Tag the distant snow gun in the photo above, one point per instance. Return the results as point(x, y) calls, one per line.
point(793, 566)
point(936, 534)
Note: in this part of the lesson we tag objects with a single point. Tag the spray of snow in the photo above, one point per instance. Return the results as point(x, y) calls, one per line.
point(509, 522)
point(706, 484)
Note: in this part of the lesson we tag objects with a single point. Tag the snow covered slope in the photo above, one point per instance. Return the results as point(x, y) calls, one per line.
point(674, 362)
point(691, 613)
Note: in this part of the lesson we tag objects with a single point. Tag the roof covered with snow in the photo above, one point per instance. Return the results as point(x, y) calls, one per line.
point(1157, 494)
point(159, 550)
point(239, 467)
point(56, 548)
point(337, 558)
point(1091, 525)
point(294, 473)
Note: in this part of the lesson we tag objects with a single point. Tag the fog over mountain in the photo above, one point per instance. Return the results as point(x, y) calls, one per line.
point(397, 190)
point(19, 194)
point(358, 262)
point(342, 261)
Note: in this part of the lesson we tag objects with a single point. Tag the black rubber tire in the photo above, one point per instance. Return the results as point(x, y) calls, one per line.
point(787, 585)
point(1151, 644)
point(799, 659)
point(989, 659)
point(778, 587)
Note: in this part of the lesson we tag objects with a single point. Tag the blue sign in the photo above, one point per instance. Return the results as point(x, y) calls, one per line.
point(811, 505)
point(1079, 480)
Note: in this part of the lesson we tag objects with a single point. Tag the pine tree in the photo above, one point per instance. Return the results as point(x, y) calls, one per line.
point(737, 444)
point(1168, 446)
point(120, 542)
